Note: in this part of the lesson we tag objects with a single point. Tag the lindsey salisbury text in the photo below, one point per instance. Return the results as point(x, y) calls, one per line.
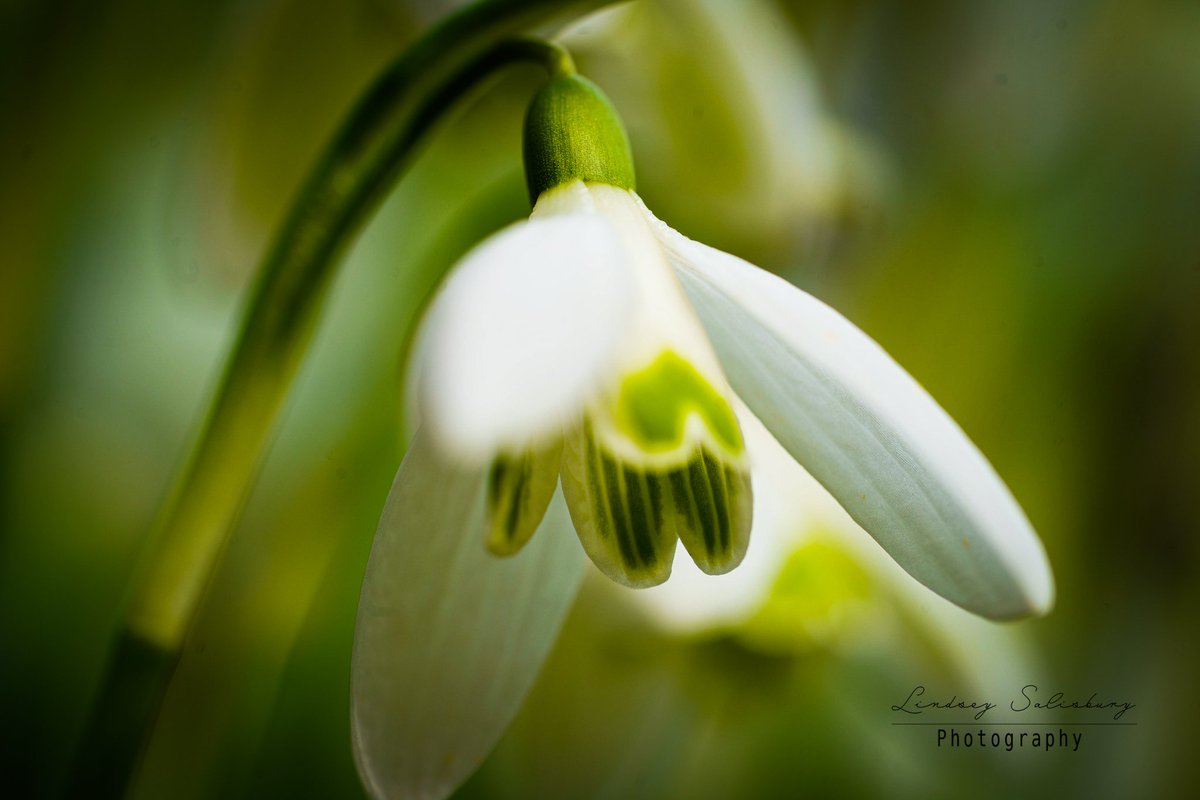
point(1054, 721)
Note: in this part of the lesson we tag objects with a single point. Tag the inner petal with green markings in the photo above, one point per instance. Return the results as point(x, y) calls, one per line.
point(519, 491)
point(658, 460)
point(655, 404)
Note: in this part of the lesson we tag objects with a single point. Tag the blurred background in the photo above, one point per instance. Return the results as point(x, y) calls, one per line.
point(1006, 195)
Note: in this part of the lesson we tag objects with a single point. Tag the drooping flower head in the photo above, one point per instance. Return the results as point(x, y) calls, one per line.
point(605, 378)
point(590, 357)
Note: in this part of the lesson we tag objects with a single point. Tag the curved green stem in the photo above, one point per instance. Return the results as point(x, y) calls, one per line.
point(554, 57)
point(349, 181)
point(373, 147)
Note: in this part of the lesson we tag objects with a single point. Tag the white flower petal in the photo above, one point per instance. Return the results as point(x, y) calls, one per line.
point(521, 332)
point(449, 638)
point(869, 433)
point(661, 318)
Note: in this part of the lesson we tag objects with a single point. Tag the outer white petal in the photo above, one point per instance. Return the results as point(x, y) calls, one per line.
point(869, 433)
point(448, 638)
point(521, 332)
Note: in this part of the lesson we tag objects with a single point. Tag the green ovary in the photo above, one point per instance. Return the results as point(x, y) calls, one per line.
point(654, 403)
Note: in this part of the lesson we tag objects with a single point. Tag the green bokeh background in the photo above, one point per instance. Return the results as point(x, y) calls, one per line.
point(1006, 195)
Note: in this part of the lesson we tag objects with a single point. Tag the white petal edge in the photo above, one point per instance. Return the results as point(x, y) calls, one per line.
point(864, 428)
point(449, 638)
point(522, 331)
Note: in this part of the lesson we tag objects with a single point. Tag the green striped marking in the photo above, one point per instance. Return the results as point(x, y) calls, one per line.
point(633, 515)
point(714, 507)
point(653, 405)
point(519, 491)
point(629, 515)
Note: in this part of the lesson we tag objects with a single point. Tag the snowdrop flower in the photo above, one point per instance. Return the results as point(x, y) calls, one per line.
point(595, 349)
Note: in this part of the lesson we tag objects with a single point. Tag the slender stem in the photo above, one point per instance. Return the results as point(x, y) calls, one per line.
point(553, 56)
point(358, 168)
point(374, 146)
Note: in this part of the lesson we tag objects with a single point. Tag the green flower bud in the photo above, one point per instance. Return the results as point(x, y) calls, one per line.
point(572, 132)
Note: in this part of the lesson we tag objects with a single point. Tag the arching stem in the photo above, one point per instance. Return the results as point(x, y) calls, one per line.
point(373, 147)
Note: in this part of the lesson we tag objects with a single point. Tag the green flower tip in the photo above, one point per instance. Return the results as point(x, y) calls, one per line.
point(572, 132)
